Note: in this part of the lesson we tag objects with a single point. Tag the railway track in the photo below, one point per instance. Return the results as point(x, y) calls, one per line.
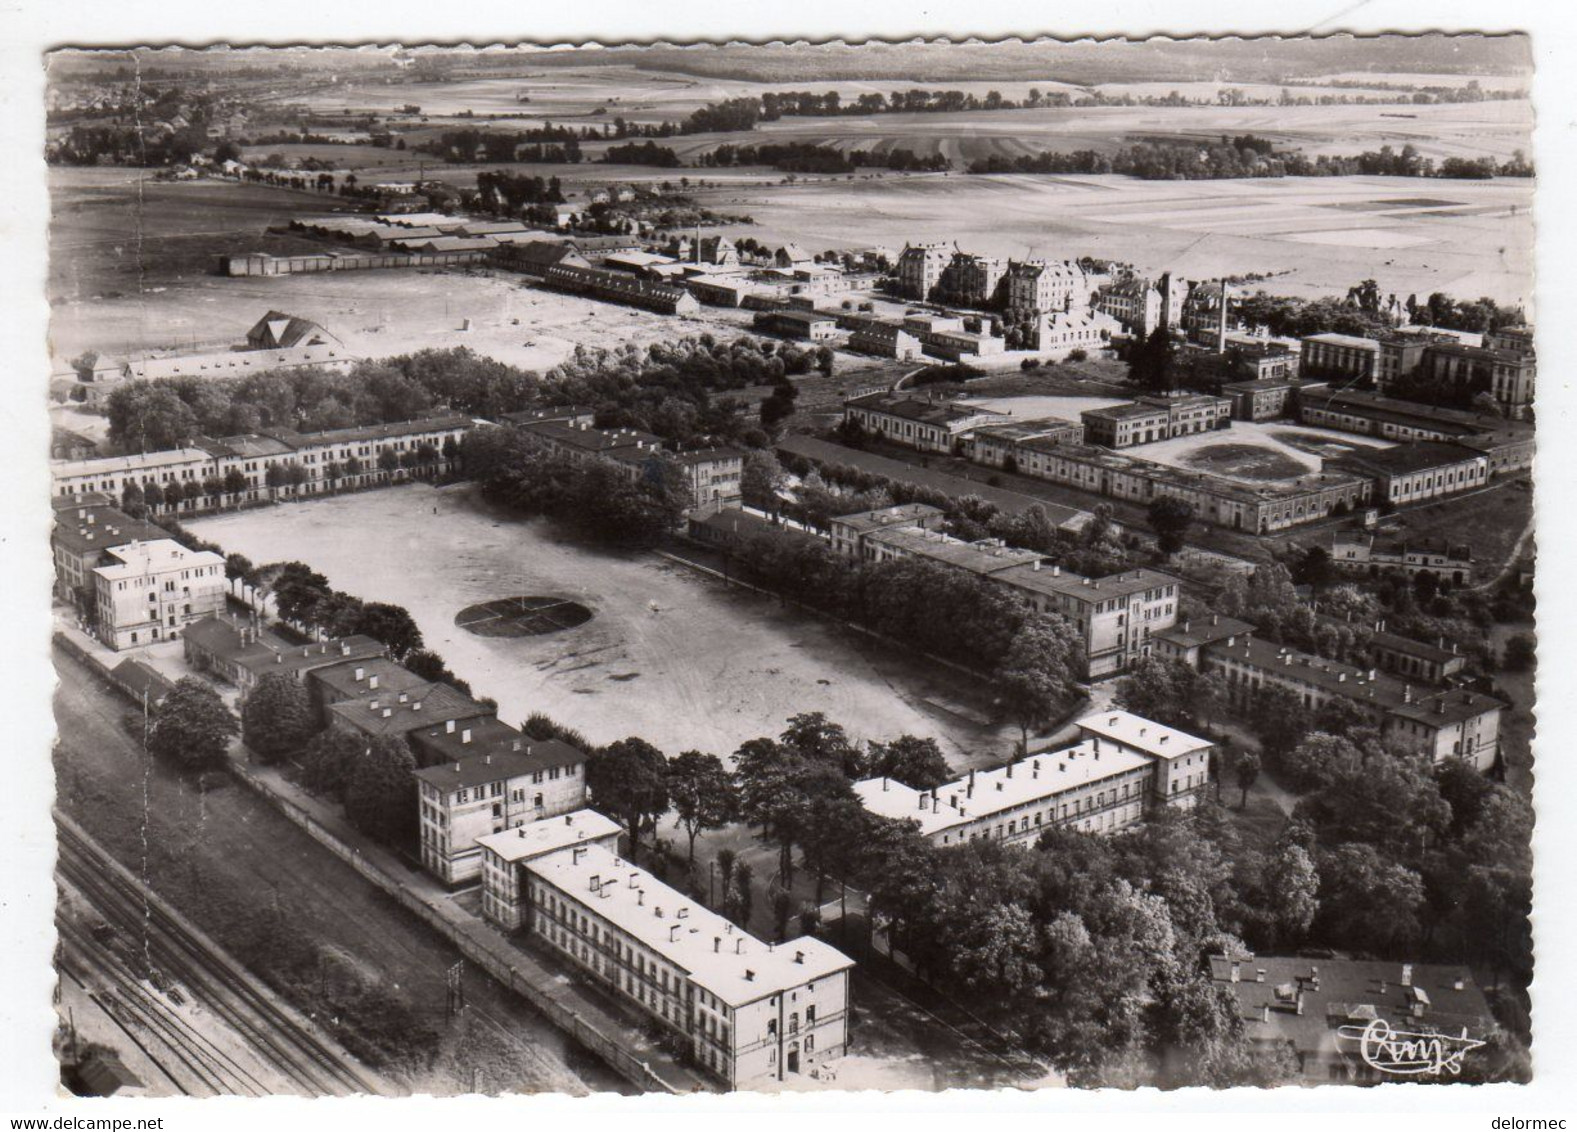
point(304, 1062)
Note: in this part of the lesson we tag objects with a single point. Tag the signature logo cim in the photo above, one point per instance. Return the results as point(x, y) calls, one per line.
point(1407, 1054)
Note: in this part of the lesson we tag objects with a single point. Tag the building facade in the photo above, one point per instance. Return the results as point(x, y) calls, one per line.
point(920, 268)
point(150, 591)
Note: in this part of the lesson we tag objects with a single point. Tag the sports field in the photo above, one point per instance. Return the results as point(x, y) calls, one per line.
point(669, 654)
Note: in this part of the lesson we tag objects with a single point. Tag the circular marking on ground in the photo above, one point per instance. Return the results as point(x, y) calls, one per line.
point(522, 616)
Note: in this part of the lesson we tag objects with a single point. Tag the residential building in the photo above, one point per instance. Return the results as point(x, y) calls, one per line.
point(1447, 724)
point(1417, 471)
point(1116, 616)
point(1340, 357)
point(1061, 332)
point(971, 280)
point(713, 475)
point(235, 651)
point(810, 325)
point(1319, 1010)
point(931, 425)
point(791, 256)
point(358, 681)
point(1205, 313)
point(848, 532)
point(717, 250)
point(1142, 306)
point(749, 1013)
point(150, 591)
point(501, 788)
point(78, 540)
point(1122, 769)
point(581, 442)
point(1399, 356)
point(111, 474)
point(920, 268)
point(1047, 287)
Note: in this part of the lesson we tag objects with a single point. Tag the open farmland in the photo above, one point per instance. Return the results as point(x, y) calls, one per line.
point(1458, 130)
point(668, 654)
point(1314, 236)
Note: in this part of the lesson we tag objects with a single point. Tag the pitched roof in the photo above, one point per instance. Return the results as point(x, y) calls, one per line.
point(278, 330)
point(80, 529)
point(498, 764)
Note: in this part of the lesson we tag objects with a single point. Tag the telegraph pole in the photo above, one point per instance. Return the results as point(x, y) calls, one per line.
point(455, 1002)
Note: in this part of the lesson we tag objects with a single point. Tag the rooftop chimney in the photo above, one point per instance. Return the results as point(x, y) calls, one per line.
point(448, 727)
point(372, 681)
point(387, 712)
point(403, 697)
point(739, 946)
point(1407, 974)
point(465, 736)
point(717, 944)
point(361, 674)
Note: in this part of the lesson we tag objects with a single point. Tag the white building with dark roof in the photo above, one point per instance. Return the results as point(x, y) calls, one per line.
point(752, 1014)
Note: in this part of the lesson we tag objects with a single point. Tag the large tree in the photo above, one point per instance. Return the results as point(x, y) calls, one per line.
point(277, 717)
point(1170, 517)
point(328, 760)
point(909, 759)
point(703, 794)
point(191, 725)
point(1036, 676)
point(628, 780)
point(380, 792)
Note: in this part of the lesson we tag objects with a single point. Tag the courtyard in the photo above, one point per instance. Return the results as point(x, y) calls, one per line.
point(668, 654)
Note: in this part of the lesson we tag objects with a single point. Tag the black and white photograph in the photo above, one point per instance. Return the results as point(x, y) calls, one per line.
point(777, 565)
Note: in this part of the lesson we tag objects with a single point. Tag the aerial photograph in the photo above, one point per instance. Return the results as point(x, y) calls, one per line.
point(786, 567)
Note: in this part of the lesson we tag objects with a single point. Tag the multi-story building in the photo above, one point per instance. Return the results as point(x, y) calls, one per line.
point(1121, 426)
point(714, 476)
point(1115, 616)
point(1123, 768)
point(505, 898)
point(1002, 445)
point(1061, 332)
point(750, 1013)
point(235, 651)
point(360, 681)
point(1399, 356)
point(1047, 287)
point(1142, 306)
point(1267, 398)
point(972, 280)
point(150, 591)
point(1155, 418)
point(944, 336)
point(1340, 357)
point(1182, 642)
point(1448, 724)
point(79, 539)
point(497, 789)
point(1510, 376)
point(920, 268)
point(1319, 1010)
point(1517, 339)
point(848, 532)
point(1420, 470)
point(388, 713)
point(931, 425)
point(110, 474)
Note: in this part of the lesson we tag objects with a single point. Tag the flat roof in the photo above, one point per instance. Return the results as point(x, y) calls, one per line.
point(988, 792)
point(137, 559)
point(549, 835)
point(717, 956)
point(1141, 734)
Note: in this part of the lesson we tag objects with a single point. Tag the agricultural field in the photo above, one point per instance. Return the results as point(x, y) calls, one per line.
point(668, 654)
point(1313, 236)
